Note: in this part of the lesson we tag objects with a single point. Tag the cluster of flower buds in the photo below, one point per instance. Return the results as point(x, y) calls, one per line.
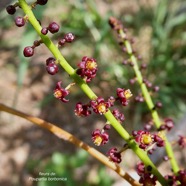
point(68, 38)
point(82, 110)
point(20, 21)
point(51, 66)
point(146, 139)
point(52, 28)
point(146, 177)
point(182, 141)
point(179, 179)
point(167, 125)
point(114, 155)
point(87, 68)
point(29, 50)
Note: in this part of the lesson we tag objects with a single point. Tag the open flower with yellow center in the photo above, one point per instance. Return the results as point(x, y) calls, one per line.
point(87, 68)
point(144, 138)
point(100, 106)
point(127, 94)
point(100, 137)
point(123, 95)
point(60, 93)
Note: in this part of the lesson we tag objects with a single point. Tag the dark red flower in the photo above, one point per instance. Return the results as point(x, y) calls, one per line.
point(100, 137)
point(159, 139)
point(143, 138)
point(87, 68)
point(119, 116)
point(114, 155)
point(123, 95)
point(82, 110)
point(99, 106)
point(182, 141)
point(60, 92)
point(181, 177)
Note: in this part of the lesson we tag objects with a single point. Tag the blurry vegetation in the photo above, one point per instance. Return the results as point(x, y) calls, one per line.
point(68, 167)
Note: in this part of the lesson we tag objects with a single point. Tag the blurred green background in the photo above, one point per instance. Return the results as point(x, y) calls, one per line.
point(159, 31)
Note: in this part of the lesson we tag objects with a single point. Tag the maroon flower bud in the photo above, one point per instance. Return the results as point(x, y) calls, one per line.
point(60, 93)
point(114, 155)
point(19, 21)
point(61, 42)
point(28, 51)
point(87, 68)
point(44, 31)
point(100, 137)
point(11, 9)
point(119, 116)
point(107, 127)
point(52, 69)
point(53, 27)
point(69, 37)
point(169, 124)
point(182, 141)
point(41, 2)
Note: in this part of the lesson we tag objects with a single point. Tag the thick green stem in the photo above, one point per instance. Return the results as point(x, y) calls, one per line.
point(86, 89)
point(148, 100)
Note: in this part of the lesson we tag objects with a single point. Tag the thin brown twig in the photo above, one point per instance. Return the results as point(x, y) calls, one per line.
point(62, 134)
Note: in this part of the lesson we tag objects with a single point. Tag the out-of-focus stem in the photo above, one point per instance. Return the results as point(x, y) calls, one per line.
point(148, 99)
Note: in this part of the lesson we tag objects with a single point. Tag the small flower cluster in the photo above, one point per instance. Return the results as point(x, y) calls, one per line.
point(29, 50)
point(114, 155)
point(123, 96)
point(177, 180)
point(145, 139)
point(51, 66)
point(87, 68)
point(146, 177)
point(68, 38)
point(168, 124)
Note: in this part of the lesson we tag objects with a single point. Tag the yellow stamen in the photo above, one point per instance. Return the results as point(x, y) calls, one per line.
point(57, 94)
point(102, 108)
point(91, 65)
point(146, 139)
point(98, 140)
point(127, 94)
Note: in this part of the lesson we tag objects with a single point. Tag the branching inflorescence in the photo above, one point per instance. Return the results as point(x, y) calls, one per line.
point(142, 142)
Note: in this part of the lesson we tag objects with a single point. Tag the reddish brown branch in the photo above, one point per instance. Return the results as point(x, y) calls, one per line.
point(62, 134)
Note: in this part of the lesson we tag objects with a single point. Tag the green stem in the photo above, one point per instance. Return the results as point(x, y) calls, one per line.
point(87, 90)
point(148, 100)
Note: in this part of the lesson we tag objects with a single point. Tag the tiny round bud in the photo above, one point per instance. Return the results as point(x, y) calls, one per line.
point(61, 42)
point(11, 9)
point(156, 88)
point(50, 60)
point(53, 27)
point(158, 104)
point(42, 2)
point(28, 51)
point(69, 37)
point(44, 31)
point(19, 21)
point(36, 43)
point(52, 69)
